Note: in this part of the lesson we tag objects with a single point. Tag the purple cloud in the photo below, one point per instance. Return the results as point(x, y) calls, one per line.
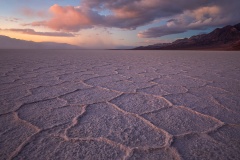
point(160, 31)
point(197, 19)
point(33, 32)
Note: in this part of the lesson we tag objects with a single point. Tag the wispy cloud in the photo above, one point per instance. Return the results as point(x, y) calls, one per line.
point(33, 32)
point(10, 19)
point(33, 13)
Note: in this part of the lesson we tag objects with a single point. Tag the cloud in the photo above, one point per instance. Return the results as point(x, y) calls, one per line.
point(32, 13)
point(33, 32)
point(160, 31)
point(198, 19)
point(183, 15)
point(10, 19)
point(68, 18)
point(123, 14)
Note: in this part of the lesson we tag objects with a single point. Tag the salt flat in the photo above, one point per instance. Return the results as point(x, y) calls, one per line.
point(82, 104)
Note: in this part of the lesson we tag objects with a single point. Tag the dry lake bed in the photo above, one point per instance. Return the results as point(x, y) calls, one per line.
point(82, 104)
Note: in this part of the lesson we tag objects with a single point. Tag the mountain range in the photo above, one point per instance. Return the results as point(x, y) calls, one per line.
point(226, 38)
point(12, 43)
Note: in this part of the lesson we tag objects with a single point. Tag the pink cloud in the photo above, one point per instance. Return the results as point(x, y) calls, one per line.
point(32, 13)
point(66, 18)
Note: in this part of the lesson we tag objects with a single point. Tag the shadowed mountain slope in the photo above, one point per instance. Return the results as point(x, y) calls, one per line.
point(226, 38)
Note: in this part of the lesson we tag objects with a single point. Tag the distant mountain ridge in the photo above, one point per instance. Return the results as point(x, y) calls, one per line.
point(226, 38)
point(12, 43)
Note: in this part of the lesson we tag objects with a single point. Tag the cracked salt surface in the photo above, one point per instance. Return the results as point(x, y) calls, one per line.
point(77, 104)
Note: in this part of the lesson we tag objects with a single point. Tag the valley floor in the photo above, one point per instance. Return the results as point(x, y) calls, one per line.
point(83, 104)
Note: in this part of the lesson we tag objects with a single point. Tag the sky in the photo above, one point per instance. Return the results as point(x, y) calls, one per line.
point(114, 23)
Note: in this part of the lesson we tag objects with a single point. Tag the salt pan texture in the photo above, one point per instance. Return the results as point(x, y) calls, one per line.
point(79, 104)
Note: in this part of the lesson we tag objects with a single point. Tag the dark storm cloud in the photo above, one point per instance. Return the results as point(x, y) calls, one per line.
point(160, 31)
point(214, 15)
